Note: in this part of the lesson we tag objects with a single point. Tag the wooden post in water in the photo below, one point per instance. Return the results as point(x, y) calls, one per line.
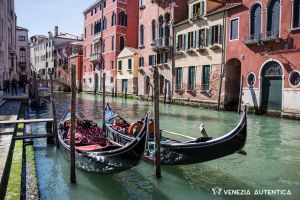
point(103, 101)
point(53, 110)
point(165, 93)
point(73, 108)
point(125, 93)
point(241, 94)
point(156, 123)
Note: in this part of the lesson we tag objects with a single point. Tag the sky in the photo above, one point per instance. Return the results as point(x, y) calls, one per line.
point(40, 16)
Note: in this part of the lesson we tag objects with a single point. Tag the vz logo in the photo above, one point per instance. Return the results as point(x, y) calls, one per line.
point(217, 190)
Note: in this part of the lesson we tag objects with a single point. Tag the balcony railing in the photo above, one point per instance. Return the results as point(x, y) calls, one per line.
point(269, 36)
point(96, 37)
point(191, 87)
point(161, 44)
point(178, 87)
point(204, 87)
point(95, 58)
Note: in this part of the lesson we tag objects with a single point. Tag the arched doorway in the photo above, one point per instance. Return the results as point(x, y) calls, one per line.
point(161, 84)
point(96, 82)
point(232, 84)
point(147, 85)
point(271, 87)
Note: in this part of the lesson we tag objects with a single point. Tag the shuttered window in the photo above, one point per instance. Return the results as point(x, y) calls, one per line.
point(129, 65)
point(273, 18)
point(234, 29)
point(120, 65)
point(191, 78)
point(296, 16)
point(178, 77)
point(255, 24)
point(214, 35)
point(205, 77)
point(141, 61)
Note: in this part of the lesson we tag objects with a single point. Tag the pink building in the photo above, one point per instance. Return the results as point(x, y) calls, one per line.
point(119, 25)
point(263, 48)
point(156, 21)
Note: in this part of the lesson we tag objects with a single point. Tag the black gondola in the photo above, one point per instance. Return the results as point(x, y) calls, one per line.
point(174, 152)
point(105, 159)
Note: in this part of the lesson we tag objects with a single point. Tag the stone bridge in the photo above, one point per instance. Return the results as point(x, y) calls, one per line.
point(60, 82)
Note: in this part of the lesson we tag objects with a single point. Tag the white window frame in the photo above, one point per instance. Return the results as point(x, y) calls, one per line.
point(238, 31)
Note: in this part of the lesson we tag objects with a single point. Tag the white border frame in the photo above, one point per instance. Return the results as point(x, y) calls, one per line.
point(261, 16)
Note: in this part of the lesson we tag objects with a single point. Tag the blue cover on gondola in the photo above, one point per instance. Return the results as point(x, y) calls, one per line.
point(109, 114)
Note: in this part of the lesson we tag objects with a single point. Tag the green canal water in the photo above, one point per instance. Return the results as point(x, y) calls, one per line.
point(273, 162)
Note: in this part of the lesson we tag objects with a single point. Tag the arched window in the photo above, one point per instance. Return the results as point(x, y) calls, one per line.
point(22, 55)
point(113, 19)
point(296, 14)
point(142, 35)
point(153, 30)
point(122, 43)
point(122, 19)
point(273, 18)
point(255, 21)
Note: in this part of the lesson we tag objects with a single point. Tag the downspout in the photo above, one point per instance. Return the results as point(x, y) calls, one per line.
point(223, 58)
point(101, 48)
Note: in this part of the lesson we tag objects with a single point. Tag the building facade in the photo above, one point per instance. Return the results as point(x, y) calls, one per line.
point(8, 63)
point(49, 53)
point(23, 54)
point(76, 59)
point(127, 75)
point(156, 21)
point(109, 26)
point(198, 52)
point(263, 39)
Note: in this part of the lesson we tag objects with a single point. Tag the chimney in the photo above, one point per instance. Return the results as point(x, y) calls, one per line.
point(50, 34)
point(56, 31)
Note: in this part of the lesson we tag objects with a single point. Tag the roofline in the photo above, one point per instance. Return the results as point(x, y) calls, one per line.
point(89, 8)
point(214, 13)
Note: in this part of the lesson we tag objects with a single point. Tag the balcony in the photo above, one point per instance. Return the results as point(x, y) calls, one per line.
point(196, 16)
point(191, 88)
point(161, 44)
point(97, 37)
point(269, 36)
point(95, 58)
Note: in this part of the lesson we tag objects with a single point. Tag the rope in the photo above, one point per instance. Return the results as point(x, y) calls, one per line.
point(154, 150)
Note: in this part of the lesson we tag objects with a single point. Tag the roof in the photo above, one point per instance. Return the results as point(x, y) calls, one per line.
point(225, 7)
point(21, 28)
point(68, 36)
point(91, 6)
point(127, 52)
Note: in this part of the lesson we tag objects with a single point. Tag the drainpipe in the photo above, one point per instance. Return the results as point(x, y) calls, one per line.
point(101, 48)
point(223, 59)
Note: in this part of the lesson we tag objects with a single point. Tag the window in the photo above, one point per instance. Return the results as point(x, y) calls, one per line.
point(234, 29)
point(162, 58)
point(142, 35)
point(92, 29)
point(197, 10)
point(201, 38)
point(180, 43)
point(85, 32)
point(205, 77)
point(122, 19)
point(112, 63)
point(113, 19)
point(120, 66)
point(129, 65)
point(142, 3)
point(92, 12)
point(113, 43)
point(178, 78)
point(191, 78)
point(22, 38)
point(191, 40)
point(251, 79)
point(122, 43)
point(153, 30)
point(141, 61)
point(296, 14)
point(104, 23)
point(214, 35)
point(22, 55)
point(273, 19)
point(294, 78)
point(255, 21)
point(152, 60)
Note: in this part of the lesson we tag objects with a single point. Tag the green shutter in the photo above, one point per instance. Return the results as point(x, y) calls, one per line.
point(209, 36)
point(205, 77)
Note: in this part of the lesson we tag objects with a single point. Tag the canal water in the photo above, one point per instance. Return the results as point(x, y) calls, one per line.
point(272, 163)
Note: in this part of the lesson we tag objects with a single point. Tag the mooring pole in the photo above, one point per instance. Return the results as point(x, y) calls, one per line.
point(53, 110)
point(241, 94)
point(156, 123)
point(125, 93)
point(165, 93)
point(73, 108)
point(103, 101)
